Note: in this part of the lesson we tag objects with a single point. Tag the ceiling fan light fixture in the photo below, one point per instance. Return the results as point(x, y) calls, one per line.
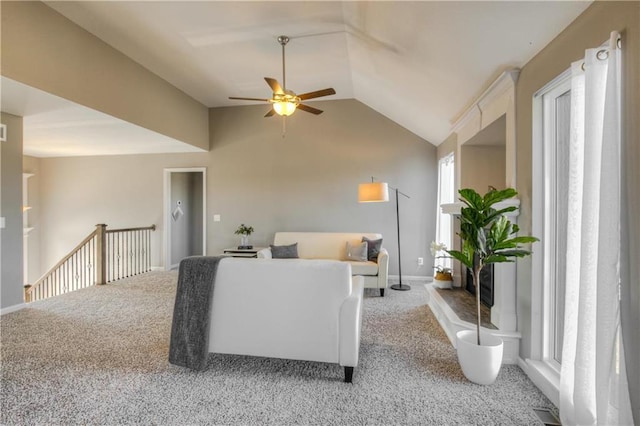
point(284, 108)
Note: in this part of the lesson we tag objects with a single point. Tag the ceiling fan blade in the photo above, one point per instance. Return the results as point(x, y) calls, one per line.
point(307, 108)
point(270, 113)
point(275, 86)
point(249, 99)
point(317, 94)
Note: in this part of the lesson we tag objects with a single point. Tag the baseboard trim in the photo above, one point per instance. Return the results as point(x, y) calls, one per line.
point(420, 278)
point(13, 308)
point(157, 268)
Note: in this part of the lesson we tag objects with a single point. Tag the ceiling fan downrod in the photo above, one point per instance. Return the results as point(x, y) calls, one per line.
point(283, 40)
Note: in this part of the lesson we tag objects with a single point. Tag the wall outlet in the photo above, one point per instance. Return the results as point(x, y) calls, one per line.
point(420, 261)
point(216, 218)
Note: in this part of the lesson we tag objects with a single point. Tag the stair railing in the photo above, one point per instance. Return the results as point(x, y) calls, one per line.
point(102, 257)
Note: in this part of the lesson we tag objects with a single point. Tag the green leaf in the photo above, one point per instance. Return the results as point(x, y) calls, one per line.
point(495, 196)
point(500, 229)
point(524, 240)
point(471, 198)
point(493, 214)
point(466, 261)
point(513, 253)
point(481, 242)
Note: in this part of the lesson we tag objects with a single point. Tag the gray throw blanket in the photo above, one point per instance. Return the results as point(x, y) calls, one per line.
point(191, 313)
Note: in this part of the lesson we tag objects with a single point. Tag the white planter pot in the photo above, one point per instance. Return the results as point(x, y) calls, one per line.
point(442, 284)
point(480, 363)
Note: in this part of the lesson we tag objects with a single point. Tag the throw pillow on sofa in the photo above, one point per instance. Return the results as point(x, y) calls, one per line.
point(358, 252)
point(284, 252)
point(373, 248)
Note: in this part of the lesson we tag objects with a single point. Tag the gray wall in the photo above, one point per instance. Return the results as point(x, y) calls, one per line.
point(11, 275)
point(306, 181)
point(482, 166)
point(186, 230)
point(181, 229)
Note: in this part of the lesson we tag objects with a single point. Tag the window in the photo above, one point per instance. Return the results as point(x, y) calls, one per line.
point(556, 124)
point(552, 121)
point(446, 194)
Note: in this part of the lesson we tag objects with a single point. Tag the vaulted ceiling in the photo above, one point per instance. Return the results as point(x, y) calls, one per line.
point(418, 63)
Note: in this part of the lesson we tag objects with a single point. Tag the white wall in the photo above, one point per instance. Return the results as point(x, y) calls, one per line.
point(32, 165)
point(195, 192)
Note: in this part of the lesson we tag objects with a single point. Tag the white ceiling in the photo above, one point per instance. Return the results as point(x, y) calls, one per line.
point(418, 63)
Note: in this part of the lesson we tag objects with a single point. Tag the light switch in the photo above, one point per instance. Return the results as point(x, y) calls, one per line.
point(216, 218)
point(1, 222)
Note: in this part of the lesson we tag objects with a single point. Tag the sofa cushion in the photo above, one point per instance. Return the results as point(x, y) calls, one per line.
point(373, 248)
point(357, 252)
point(284, 252)
point(363, 268)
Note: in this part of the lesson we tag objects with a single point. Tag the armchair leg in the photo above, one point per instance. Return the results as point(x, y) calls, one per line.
point(348, 374)
point(382, 292)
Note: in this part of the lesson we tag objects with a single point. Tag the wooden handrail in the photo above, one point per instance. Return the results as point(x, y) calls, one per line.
point(152, 228)
point(98, 255)
point(64, 259)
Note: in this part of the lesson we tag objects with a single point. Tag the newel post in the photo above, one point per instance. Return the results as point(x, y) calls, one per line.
point(101, 258)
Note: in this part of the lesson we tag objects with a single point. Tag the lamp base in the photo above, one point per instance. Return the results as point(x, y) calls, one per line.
point(401, 287)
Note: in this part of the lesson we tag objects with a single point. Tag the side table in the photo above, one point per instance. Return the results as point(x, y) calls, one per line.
point(236, 252)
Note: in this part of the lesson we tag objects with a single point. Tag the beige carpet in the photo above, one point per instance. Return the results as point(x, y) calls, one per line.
point(99, 356)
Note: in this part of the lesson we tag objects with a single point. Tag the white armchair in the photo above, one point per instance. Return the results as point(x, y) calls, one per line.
point(292, 309)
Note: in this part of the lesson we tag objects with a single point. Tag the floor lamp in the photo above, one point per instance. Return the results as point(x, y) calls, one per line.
point(376, 192)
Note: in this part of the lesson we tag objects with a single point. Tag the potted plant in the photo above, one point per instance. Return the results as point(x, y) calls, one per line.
point(443, 277)
point(487, 237)
point(244, 231)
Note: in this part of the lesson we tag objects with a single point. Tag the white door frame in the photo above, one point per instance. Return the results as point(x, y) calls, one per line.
point(167, 211)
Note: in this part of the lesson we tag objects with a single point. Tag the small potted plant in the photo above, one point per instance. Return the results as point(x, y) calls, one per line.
point(244, 231)
point(443, 277)
point(487, 237)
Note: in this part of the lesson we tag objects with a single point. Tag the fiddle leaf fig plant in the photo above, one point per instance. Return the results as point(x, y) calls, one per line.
point(487, 235)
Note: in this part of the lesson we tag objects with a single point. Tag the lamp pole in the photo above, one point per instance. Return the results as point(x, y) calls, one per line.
point(399, 286)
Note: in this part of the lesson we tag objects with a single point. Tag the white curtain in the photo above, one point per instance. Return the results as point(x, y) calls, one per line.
point(593, 386)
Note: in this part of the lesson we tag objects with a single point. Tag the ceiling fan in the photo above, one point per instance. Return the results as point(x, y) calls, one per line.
point(285, 102)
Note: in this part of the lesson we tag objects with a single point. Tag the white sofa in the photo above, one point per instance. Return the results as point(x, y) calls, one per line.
point(291, 309)
point(332, 245)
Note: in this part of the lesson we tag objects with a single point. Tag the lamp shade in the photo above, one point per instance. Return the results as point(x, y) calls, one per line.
point(373, 192)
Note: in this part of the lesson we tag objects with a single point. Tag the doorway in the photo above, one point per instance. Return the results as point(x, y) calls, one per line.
point(185, 214)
